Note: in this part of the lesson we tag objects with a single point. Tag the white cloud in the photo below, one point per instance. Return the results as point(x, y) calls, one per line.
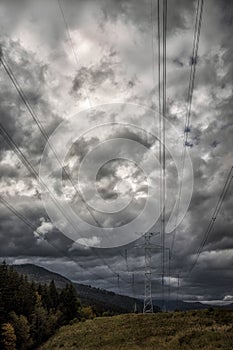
point(44, 228)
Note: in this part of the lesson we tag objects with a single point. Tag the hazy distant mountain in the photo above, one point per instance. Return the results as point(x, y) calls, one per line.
point(101, 299)
point(41, 275)
point(186, 306)
point(180, 305)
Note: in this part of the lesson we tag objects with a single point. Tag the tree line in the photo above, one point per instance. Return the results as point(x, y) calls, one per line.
point(30, 313)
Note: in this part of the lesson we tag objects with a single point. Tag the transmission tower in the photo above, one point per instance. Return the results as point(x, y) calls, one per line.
point(148, 304)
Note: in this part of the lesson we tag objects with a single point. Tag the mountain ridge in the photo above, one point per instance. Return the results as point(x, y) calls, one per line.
point(103, 300)
point(100, 299)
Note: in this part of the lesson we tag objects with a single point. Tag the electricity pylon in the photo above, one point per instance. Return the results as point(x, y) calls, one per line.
point(148, 303)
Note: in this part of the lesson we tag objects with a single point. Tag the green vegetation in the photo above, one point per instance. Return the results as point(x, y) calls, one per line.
point(102, 301)
point(205, 329)
point(30, 313)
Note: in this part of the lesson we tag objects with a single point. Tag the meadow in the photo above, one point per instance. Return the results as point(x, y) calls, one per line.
point(206, 329)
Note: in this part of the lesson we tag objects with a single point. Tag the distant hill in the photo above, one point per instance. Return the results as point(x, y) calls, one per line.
point(41, 275)
point(100, 299)
point(186, 306)
point(203, 330)
point(181, 305)
point(103, 300)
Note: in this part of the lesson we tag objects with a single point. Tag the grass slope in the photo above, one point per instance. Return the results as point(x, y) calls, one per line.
point(206, 330)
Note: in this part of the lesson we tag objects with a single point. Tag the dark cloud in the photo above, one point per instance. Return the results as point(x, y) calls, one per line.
point(112, 40)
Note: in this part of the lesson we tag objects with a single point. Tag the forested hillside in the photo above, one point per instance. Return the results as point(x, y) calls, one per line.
point(30, 313)
point(101, 300)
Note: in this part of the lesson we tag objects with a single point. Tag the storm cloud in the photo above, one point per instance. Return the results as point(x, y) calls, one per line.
point(111, 61)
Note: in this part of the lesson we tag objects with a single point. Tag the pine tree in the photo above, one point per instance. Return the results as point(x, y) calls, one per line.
point(69, 303)
point(39, 329)
point(8, 337)
point(23, 303)
point(53, 295)
point(44, 293)
point(22, 331)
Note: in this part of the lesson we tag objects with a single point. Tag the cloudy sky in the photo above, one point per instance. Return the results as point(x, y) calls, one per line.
point(89, 72)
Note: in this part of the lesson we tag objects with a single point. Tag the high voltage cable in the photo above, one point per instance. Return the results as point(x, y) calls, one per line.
point(159, 107)
point(193, 64)
point(211, 223)
point(126, 260)
point(196, 38)
point(29, 167)
point(153, 51)
point(43, 132)
point(178, 289)
point(160, 123)
point(71, 43)
point(160, 112)
point(162, 115)
point(34, 228)
point(214, 217)
point(164, 111)
point(125, 257)
point(32, 170)
point(28, 164)
point(77, 62)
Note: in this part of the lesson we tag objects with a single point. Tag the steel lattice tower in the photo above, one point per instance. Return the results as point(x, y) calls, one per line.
point(148, 304)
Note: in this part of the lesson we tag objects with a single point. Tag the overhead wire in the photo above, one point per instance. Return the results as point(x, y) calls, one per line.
point(194, 58)
point(71, 44)
point(164, 112)
point(196, 38)
point(160, 121)
point(44, 134)
point(161, 24)
point(154, 82)
point(193, 65)
point(76, 59)
point(11, 143)
point(29, 166)
point(211, 224)
point(213, 218)
point(42, 236)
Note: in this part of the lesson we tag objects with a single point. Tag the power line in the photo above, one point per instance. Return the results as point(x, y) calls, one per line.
point(178, 289)
point(71, 43)
point(147, 282)
point(164, 112)
point(214, 217)
point(36, 176)
point(44, 134)
point(193, 64)
point(153, 50)
point(196, 37)
point(160, 149)
point(169, 280)
point(29, 166)
point(126, 260)
point(35, 229)
point(211, 224)
point(125, 257)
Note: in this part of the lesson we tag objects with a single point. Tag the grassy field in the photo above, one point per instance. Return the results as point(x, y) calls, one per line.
point(206, 329)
